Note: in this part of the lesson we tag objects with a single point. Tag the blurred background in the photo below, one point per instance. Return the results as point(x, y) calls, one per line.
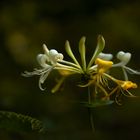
point(26, 25)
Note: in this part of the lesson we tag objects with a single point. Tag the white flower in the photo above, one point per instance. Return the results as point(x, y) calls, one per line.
point(124, 58)
point(47, 61)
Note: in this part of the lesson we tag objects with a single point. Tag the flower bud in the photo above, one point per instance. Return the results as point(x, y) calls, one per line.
point(105, 56)
point(125, 57)
point(59, 56)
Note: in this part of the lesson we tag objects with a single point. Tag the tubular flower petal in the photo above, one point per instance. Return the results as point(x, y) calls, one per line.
point(99, 48)
point(103, 65)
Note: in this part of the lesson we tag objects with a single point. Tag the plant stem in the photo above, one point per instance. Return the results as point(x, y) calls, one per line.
point(90, 111)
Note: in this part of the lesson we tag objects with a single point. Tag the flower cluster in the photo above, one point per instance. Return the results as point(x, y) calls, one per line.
point(98, 70)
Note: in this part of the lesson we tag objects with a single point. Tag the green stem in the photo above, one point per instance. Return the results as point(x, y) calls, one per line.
point(90, 111)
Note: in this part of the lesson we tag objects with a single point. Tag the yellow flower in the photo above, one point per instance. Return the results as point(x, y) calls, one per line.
point(127, 85)
point(99, 78)
point(103, 65)
point(122, 88)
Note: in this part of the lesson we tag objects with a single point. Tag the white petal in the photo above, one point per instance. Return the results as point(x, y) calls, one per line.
point(120, 55)
point(124, 57)
point(59, 56)
point(42, 60)
point(53, 53)
point(52, 56)
point(46, 50)
point(30, 74)
point(43, 77)
point(105, 56)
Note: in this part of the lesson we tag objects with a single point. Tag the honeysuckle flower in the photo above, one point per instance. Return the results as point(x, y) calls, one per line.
point(122, 88)
point(96, 71)
point(124, 60)
point(98, 78)
point(51, 60)
point(103, 65)
point(47, 61)
point(83, 69)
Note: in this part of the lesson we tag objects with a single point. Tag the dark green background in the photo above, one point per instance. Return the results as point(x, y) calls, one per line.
point(26, 25)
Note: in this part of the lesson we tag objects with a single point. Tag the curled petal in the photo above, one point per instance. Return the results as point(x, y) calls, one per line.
point(59, 56)
point(43, 77)
point(42, 60)
point(54, 56)
point(30, 74)
point(43, 73)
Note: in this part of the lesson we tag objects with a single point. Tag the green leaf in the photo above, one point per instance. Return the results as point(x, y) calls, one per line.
point(14, 122)
point(97, 103)
point(99, 49)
